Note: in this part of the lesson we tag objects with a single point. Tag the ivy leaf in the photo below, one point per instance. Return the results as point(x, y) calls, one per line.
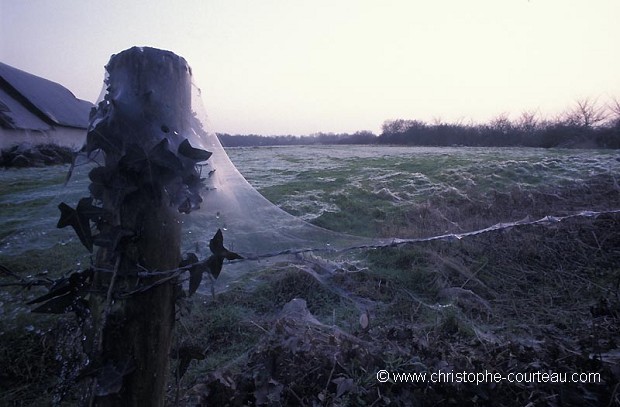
point(161, 156)
point(65, 295)
point(213, 264)
point(195, 154)
point(195, 272)
point(195, 277)
point(86, 208)
point(76, 282)
point(58, 289)
point(134, 159)
point(232, 255)
point(185, 354)
point(216, 245)
point(157, 167)
point(189, 258)
point(186, 206)
point(79, 223)
point(107, 179)
point(61, 305)
point(183, 366)
point(100, 137)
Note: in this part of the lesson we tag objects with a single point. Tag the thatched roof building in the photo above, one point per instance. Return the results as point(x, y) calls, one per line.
point(35, 110)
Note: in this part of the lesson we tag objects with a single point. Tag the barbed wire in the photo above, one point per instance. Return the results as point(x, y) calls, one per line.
point(170, 275)
point(394, 242)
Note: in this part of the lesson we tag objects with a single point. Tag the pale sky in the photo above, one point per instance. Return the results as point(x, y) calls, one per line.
point(301, 67)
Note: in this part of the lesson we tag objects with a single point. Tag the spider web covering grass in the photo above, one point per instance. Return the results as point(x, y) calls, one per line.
point(532, 298)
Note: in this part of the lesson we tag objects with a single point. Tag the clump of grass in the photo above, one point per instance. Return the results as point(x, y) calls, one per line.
point(223, 331)
point(232, 323)
point(403, 268)
point(28, 360)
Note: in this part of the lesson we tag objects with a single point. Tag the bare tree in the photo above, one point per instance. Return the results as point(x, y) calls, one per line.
point(614, 108)
point(437, 121)
point(501, 124)
point(528, 122)
point(401, 126)
point(587, 113)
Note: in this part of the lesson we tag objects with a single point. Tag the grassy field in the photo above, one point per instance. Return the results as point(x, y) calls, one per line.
point(534, 298)
point(416, 192)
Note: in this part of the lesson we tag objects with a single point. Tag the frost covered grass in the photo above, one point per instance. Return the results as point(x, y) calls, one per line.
point(539, 297)
point(415, 192)
point(23, 192)
point(29, 196)
point(417, 167)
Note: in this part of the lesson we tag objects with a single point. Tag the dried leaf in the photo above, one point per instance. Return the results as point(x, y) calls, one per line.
point(343, 385)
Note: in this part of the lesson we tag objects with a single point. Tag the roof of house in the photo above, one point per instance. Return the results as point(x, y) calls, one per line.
point(31, 102)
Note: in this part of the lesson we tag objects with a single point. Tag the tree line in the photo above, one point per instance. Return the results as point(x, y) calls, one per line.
point(360, 137)
point(588, 124)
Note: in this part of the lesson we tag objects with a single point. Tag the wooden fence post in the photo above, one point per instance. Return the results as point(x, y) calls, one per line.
point(147, 180)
